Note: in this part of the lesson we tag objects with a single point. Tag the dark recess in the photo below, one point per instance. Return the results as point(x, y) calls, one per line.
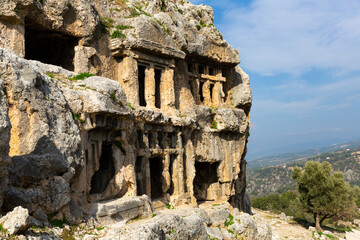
point(157, 88)
point(106, 171)
point(141, 78)
point(206, 174)
point(49, 46)
point(155, 176)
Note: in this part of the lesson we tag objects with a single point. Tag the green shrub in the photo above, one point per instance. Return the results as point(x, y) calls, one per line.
point(202, 23)
point(214, 125)
point(118, 34)
point(50, 74)
point(105, 24)
point(81, 76)
point(123, 27)
point(129, 105)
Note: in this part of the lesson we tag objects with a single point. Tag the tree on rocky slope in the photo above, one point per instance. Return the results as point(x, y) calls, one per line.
point(324, 193)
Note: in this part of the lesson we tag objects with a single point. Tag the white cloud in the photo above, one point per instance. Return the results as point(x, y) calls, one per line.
point(293, 36)
point(301, 97)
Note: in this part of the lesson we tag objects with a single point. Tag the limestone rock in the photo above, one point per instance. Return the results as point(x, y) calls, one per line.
point(45, 140)
point(214, 233)
point(124, 209)
point(16, 221)
point(219, 215)
point(263, 228)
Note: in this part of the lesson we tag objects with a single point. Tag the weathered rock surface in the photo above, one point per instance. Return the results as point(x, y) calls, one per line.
point(124, 209)
point(45, 140)
point(16, 221)
point(166, 116)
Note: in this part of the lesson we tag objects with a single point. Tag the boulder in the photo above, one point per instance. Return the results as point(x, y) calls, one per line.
point(123, 209)
point(16, 221)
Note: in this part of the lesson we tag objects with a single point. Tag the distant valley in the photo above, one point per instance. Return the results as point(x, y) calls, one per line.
point(273, 174)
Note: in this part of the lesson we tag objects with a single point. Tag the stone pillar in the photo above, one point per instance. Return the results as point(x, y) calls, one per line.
point(128, 77)
point(167, 90)
point(82, 58)
point(217, 95)
point(150, 86)
point(147, 177)
point(166, 174)
point(12, 36)
point(206, 94)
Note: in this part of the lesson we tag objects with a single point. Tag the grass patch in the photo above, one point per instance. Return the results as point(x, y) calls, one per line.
point(118, 34)
point(78, 117)
point(123, 27)
point(214, 125)
point(202, 23)
point(163, 26)
point(229, 221)
point(2, 229)
point(50, 74)
point(130, 106)
point(58, 223)
point(168, 206)
point(105, 24)
point(81, 76)
point(113, 96)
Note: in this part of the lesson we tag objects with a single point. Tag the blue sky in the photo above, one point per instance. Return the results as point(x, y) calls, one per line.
point(303, 58)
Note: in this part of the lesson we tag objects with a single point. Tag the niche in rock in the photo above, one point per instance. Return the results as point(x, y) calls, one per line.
point(106, 171)
point(157, 88)
point(141, 79)
point(201, 85)
point(140, 170)
point(49, 46)
point(206, 174)
point(156, 168)
point(171, 171)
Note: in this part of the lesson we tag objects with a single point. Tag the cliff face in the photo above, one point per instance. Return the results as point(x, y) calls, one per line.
point(167, 114)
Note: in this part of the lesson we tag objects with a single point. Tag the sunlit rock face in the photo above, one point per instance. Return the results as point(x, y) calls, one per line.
point(167, 114)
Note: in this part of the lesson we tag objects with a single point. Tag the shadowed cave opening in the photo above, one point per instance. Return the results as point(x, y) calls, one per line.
point(156, 168)
point(206, 174)
point(157, 88)
point(49, 46)
point(141, 79)
point(106, 171)
point(140, 175)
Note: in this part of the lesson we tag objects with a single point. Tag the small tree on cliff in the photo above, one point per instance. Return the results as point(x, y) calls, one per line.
point(323, 193)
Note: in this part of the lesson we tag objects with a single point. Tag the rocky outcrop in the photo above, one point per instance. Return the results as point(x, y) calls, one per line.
point(44, 142)
point(117, 99)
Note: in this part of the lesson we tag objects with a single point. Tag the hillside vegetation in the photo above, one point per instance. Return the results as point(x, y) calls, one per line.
point(282, 158)
point(277, 179)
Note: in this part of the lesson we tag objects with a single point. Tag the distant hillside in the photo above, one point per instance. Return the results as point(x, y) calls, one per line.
point(277, 159)
point(277, 179)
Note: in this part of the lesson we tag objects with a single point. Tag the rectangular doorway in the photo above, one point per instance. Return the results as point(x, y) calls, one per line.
point(157, 88)
point(156, 168)
point(141, 79)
